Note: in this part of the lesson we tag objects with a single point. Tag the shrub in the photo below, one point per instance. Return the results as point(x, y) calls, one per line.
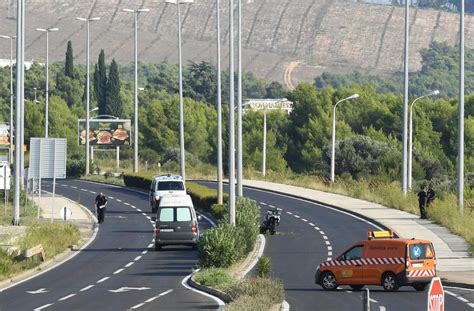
point(214, 277)
point(138, 180)
point(249, 303)
point(264, 267)
point(218, 247)
point(258, 287)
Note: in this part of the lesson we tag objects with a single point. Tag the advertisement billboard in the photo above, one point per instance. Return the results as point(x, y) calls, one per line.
point(105, 132)
point(4, 135)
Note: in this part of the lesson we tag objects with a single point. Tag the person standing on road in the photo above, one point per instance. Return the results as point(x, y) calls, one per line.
point(422, 202)
point(100, 205)
point(430, 195)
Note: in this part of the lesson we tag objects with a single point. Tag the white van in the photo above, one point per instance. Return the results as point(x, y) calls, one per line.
point(176, 222)
point(165, 185)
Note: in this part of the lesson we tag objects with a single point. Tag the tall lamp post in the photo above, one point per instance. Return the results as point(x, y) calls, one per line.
point(239, 100)
point(135, 90)
point(460, 181)
point(181, 106)
point(333, 147)
point(231, 117)
point(410, 138)
point(405, 103)
point(87, 20)
point(11, 38)
point(46, 118)
point(220, 186)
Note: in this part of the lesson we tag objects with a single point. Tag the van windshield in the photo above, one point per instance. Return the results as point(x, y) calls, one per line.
point(421, 251)
point(170, 185)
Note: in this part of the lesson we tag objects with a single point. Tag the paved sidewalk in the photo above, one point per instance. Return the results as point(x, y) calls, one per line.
point(453, 262)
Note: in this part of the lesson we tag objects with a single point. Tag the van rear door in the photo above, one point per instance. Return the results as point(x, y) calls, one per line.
point(421, 260)
point(184, 224)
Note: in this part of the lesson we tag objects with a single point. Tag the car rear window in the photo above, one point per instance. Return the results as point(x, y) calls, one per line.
point(166, 215)
point(421, 251)
point(170, 185)
point(183, 214)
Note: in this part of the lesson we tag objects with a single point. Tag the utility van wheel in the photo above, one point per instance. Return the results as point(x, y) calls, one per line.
point(420, 286)
point(390, 282)
point(328, 281)
point(357, 287)
point(158, 247)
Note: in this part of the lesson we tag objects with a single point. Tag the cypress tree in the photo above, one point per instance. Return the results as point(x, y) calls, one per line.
point(69, 65)
point(100, 83)
point(114, 102)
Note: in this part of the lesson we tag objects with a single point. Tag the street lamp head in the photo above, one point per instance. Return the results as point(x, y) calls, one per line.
point(95, 109)
point(81, 19)
point(41, 29)
point(435, 92)
point(143, 10)
point(5, 37)
point(128, 10)
point(180, 1)
point(53, 29)
point(93, 19)
point(353, 96)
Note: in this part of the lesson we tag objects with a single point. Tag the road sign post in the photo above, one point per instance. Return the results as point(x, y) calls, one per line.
point(435, 295)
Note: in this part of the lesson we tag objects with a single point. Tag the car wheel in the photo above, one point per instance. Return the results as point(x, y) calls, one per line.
point(357, 287)
point(390, 282)
point(328, 281)
point(420, 286)
point(158, 247)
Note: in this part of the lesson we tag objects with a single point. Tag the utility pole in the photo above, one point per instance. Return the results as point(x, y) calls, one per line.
point(405, 105)
point(231, 117)
point(461, 116)
point(220, 186)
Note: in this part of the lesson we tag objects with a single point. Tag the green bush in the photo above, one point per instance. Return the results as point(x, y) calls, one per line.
point(215, 278)
point(258, 287)
point(249, 303)
point(264, 267)
point(77, 167)
point(138, 180)
point(218, 247)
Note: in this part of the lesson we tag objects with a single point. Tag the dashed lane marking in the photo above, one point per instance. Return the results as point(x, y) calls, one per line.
point(103, 279)
point(263, 203)
point(44, 307)
point(329, 253)
point(138, 258)
point(305, 220)
point(128, 204)
point(150, 245)
point(118, 271)
point(311, 224)
point(144, 252)
point(325, 237)
point(289, 213)
point(86, 288)
point(382, 308)
point(328, 243)
point(129, 264)
point(110, 197)
point(272, 206)
point(297, 216)
point(329, 248)
point(67, 297)
point(139, 210)
point(118, 200)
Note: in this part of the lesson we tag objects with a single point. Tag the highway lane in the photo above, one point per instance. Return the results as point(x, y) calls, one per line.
point(118, 271)
point(310, 234)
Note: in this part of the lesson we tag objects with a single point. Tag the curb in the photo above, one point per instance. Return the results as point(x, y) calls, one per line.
point(211, 291)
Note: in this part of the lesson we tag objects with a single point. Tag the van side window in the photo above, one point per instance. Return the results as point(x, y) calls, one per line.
point(183, 214)
point(166, 215)
point(354, 253)
point(421, 251)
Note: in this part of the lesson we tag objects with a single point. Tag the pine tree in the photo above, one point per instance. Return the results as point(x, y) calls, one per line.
point(100, 83)
point(69, 65)
point(114, 101)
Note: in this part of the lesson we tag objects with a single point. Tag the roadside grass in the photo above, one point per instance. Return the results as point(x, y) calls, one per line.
point(217, 278)
point(54, 237)
point(28, 211)
point(443, 211)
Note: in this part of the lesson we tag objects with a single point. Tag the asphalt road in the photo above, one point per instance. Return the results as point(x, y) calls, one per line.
point(309, 234)
point(119, 270)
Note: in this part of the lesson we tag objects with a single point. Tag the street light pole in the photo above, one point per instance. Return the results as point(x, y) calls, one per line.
point(405, 103)
point(220, 186)
point(410, 139)
point(11, 38)
point(135, 89)
point(264, 161)
point(231, 117)
point(47, 31)
point(181, 105)
point(333, 146)
point(87, 20)
point(460, 172)
point(239, 101)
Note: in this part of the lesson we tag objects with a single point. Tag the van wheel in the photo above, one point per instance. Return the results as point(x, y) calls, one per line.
point(420, 286)
point(158, 247)
point(357, 287)
point(390, 282)
point(328, 281)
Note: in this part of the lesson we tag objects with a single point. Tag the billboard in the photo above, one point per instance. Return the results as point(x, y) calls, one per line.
point(105, 132)
point(4, 135)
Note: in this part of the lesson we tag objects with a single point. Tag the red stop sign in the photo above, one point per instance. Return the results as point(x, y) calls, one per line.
point(436, 295)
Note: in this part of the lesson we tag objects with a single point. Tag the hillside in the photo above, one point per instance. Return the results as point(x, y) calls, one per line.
point(284, 40)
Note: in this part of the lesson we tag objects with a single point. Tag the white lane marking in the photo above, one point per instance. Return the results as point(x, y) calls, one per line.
point(152, 222)
point(329, 253)
point(127, 289)
point(133, 206)
point(382, 308)
point(272, 206)
point(460, 288)
point(38, 291)
point(311, 224)
point(471, 305)
point(139, 210)
point(373, 300)
point(184, 282)
point(289, 213)
point(297, 216)
point(305, 220)
point(328, 243)
point(118, 271)
point(110, 197)
point(317, 228)
point(73, 187)
point(129, 264)
point(459, 297)
point(84, 190)
point(43, 307)
point(144, 252)
point(148, 217)
point(92, 192)
point(329, 258)
point(86, 288)
point(263, 203)
point(138, 306)
point(103, 279)
point(329, 248)
point(150, 245)
point(138, 258)
point(462, 299)
point(144, 214)
point(66, 297)
point(128, 204)
point(325, 237)
point(158, 296)
point(322, 232)
point(118, 200)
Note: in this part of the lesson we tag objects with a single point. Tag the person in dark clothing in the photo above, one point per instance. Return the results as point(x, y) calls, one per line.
point(430, 195)
point(100, 205)
point(422, 202)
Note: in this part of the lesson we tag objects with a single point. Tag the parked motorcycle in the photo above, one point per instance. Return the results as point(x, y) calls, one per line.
point(272, 219)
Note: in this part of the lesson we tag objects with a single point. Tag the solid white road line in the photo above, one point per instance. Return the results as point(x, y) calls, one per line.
point(43, 307)
point(138, 306)
point(103, 279)
point(184, 282)
point(86, 288)
point(66, 297)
